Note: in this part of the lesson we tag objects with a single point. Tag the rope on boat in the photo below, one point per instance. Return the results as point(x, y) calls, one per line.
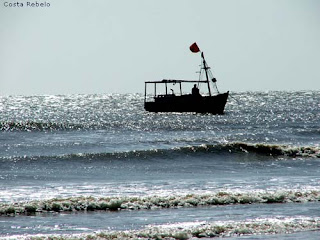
point(234, 99)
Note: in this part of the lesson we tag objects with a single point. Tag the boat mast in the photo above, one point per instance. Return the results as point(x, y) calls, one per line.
point(205, 67)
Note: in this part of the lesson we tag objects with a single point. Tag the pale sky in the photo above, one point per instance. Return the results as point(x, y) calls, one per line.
point(103, 46)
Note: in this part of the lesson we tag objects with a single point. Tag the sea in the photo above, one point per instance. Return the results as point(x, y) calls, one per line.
point(98, 166)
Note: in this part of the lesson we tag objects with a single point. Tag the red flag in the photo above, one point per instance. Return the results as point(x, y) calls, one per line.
point(194, 48)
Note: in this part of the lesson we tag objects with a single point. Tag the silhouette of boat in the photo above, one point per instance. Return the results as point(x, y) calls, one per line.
point(192, 102)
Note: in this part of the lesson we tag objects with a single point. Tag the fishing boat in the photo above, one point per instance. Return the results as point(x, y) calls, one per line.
point(211, 101)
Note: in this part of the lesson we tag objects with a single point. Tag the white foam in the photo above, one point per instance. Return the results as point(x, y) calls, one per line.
point(187, 230)
point(83, 203)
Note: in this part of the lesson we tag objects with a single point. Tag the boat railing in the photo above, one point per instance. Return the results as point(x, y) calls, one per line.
point(166, 82)
point(165, 95)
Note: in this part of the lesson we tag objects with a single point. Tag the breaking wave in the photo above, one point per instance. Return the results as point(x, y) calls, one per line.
point(157, 202)
point(38, 126)
point(192, 230)
point(216, 229)
point(224, 148)
point(274, 149)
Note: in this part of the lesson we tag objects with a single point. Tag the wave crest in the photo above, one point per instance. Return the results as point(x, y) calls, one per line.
point(226, 148)
point(37, 126)
point(157, 202)
point(217, 229)
point(192, 230)
point(275, 150)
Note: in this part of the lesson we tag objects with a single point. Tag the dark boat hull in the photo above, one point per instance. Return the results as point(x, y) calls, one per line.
point(188, 103)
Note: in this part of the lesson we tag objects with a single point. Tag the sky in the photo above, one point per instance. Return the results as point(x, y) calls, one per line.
point(114, 46)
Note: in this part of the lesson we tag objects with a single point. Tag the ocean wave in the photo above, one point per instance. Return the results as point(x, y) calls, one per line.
point(275, 149)
point(113, 123)
point(157, 202)
point(37, 126)
point(313, 131)
point(192, 230)
point(216, 229)
point(43, 126)
point(220, 148)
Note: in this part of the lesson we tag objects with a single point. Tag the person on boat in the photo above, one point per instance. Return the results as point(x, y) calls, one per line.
point(195, 91)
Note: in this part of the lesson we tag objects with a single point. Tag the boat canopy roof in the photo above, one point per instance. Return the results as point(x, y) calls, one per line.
point(176, 81)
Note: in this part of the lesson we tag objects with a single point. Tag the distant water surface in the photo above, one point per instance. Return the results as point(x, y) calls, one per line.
point(265, 148)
